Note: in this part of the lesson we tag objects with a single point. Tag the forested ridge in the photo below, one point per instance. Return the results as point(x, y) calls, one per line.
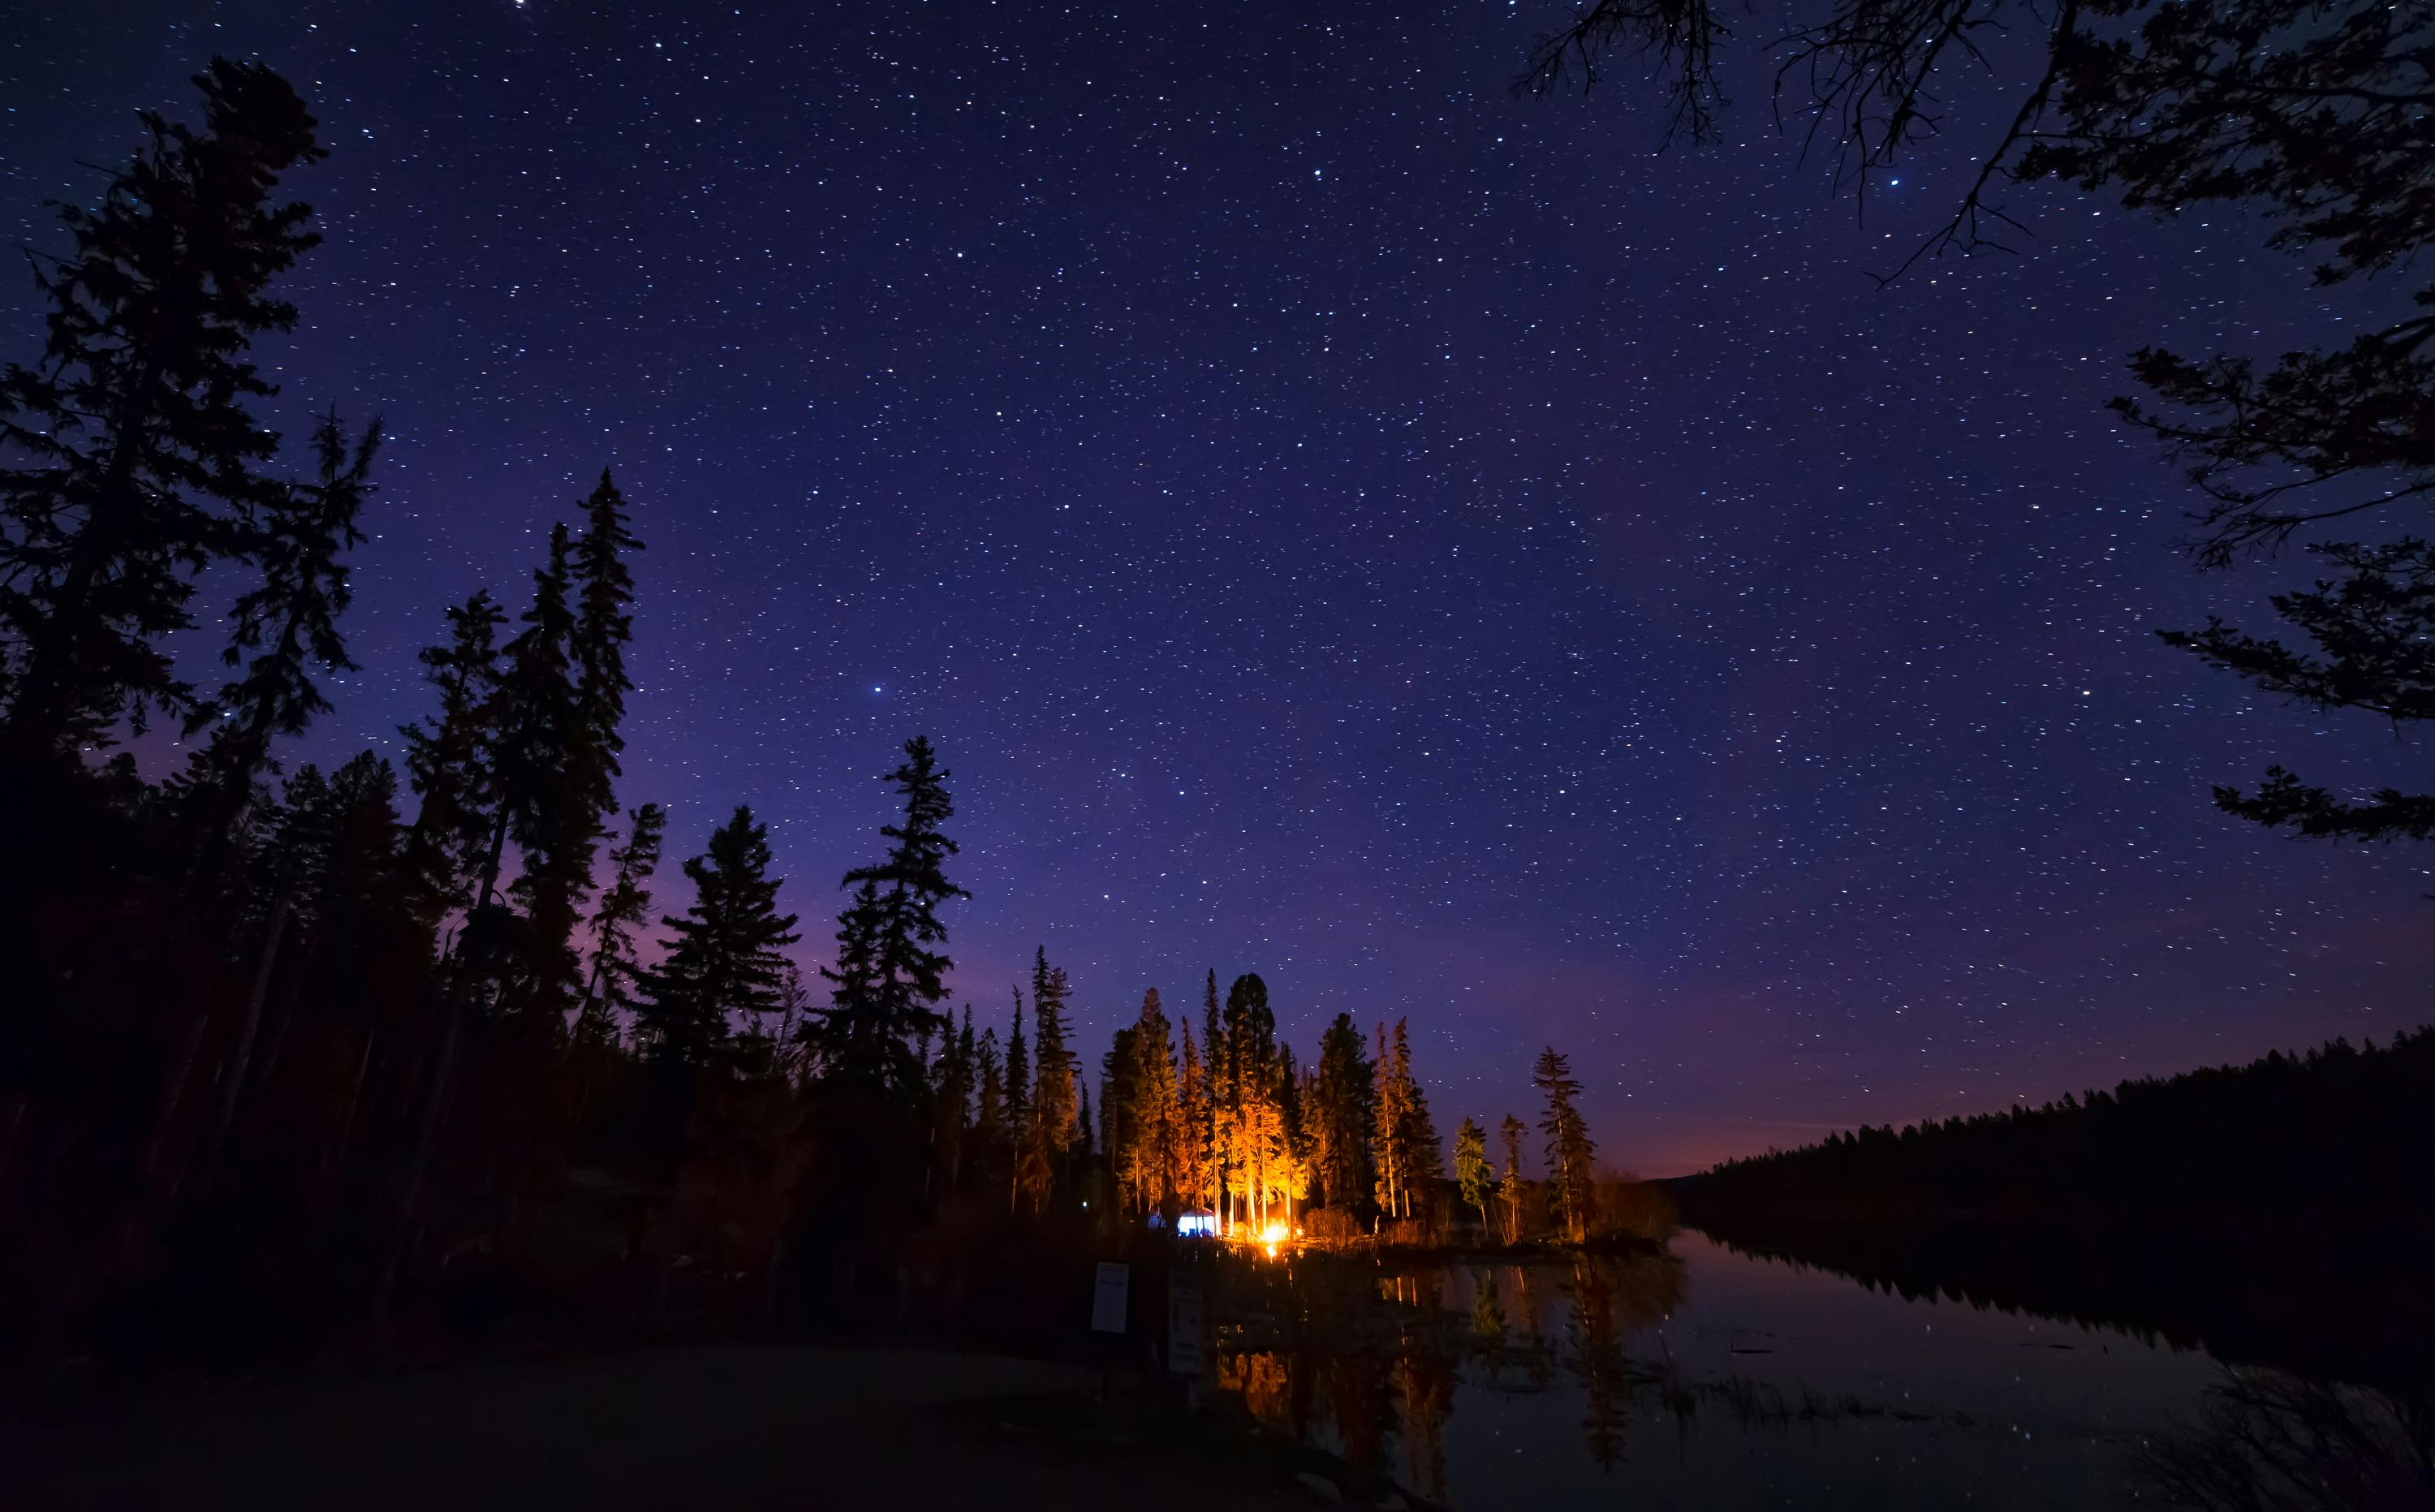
point(295, 1055)
point(2337, 1127)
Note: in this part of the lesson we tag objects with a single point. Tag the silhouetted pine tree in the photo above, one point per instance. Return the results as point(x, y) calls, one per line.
point(450, 762)
point(625, 903)
point(1343, 1115)
point(144, 465)
point(1020, 1143)
point(1157, 1113)
point(282, 627)
point(604, 623)
point(1194, 1188)
point(1054, 1090)
point(724, 958)
point(546, 786)
point(989, 1106)
point(957, 1084)
point(2373, 630)
point(890, 974)
point(1213, 1084)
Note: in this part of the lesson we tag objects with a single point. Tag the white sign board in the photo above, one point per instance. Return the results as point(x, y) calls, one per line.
point(1184, 1325)
point(1108, 1297)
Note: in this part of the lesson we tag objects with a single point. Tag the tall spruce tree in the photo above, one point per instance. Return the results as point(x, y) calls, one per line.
point(1153, 1116)
point(450, 760)
point(1423, 1153)
point(725, 955)
point(1249, 1129)
point(988, 1103)
point(1343, 1115)
point(1470, 1168)
point(1193, 1186)
point(1510, 1184)
point(1055, 1093)
point(1392, 1113)
point(1214, 1096)
point(141, 464)
point(1023, 1183)
point(958, 1075)
point(543, 766)
point(283, 627)
point(604, 623)
point(625, 903)
point(890, 974)
point(1569, 1151)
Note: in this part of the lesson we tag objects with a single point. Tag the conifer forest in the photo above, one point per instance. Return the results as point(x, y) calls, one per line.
point(1443, 758)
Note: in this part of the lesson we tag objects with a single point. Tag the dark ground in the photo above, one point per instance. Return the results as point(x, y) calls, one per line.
point(700, 1428)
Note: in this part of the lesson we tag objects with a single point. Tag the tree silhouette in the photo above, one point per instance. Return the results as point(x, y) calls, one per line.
point(1055, 1100)
point(450, 762)
point(2313, 116)
point(890, 974)
point(289, 622)
point(625, 903)
point(542, 761)
point(1344, 1108)
point(143, 466)
point(2374, 634)
point(1025, 1185)
point(724, 958)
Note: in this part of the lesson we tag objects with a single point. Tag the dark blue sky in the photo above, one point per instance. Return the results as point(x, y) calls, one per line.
point(1338, 521)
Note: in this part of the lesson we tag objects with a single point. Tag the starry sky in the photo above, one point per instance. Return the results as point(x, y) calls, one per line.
point(1337, 520)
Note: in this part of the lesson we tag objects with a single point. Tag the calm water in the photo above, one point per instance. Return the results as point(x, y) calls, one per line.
point(1706, 1377)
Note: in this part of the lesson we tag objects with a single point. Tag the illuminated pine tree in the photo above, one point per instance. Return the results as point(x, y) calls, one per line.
point(1510, 1188)
point(1470, 1168)
point(1569, 1151)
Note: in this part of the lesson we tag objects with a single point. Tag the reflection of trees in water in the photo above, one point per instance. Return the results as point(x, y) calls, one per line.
point(1597, 1360)
point(1373, 1357)
point(2347, 1302)
point(1425, 1390)
point(1488, 1321)
point(1366, 1361)
point(1368, 1354)
point(2267, 1441)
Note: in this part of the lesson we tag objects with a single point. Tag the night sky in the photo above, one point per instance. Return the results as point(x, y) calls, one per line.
point(1337, 520)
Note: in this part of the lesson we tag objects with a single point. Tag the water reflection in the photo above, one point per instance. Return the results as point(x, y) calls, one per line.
point(1703, 1376)
point(1368, 1361)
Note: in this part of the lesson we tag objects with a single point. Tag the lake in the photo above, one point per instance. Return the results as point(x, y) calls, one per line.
point(1707, 1376)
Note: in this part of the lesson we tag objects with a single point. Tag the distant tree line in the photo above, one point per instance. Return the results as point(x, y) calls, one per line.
point(2340, 1127)
point(391, 1046)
